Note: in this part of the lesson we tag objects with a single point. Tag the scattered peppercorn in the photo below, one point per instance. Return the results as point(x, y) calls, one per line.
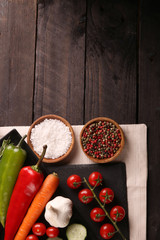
point(101, 139)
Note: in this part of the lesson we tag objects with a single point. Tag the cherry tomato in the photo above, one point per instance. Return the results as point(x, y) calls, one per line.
point(95, 178)
point(74, 181)
point(39, 229)
point(32, 237)
point(85, 195)
point(106, 195)
point(52, 232)
point(97, 214)
point(117, 213)
point(107, 231)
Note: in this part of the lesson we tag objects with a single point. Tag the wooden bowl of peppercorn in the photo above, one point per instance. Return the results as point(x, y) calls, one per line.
point(102, 139)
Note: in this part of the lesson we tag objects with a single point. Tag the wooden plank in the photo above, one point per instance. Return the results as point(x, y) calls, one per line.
point(17, 51)
point(149, 105)
point(111, 60)
point(59, 86)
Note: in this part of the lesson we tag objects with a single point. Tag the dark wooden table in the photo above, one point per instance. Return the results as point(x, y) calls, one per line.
point(81, 59)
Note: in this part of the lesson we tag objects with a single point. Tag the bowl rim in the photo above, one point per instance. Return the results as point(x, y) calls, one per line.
point(41, 119)
point(104, 160)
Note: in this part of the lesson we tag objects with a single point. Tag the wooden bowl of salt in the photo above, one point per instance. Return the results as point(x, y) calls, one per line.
point(53, 131)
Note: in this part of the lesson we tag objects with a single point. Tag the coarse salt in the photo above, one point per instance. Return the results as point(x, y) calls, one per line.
point(53, 133)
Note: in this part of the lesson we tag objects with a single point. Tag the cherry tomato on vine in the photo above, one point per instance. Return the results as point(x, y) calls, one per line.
point(107, 231)
point(117, 213)
point(52, 232)
point(85, 195)
point(74, 181)
point(39, 229)
point(97, 214)
point(95, 178)
point(32, 237)
point(106, 195)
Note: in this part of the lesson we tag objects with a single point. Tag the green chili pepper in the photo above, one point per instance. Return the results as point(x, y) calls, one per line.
point(4, 145)
point(11, 162)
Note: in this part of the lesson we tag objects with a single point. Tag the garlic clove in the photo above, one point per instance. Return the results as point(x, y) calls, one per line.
point(58, 211)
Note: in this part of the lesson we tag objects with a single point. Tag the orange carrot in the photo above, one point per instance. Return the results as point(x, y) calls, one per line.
point(37, 206)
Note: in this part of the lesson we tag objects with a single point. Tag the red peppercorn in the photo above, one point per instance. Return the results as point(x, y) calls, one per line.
point(97, 137)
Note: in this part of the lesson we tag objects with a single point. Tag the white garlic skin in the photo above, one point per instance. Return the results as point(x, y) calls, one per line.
point(58, 212)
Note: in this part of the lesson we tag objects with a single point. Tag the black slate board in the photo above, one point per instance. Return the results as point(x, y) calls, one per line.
point(114, 175)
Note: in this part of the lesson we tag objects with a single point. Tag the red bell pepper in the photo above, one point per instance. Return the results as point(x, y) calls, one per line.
point(28, 183)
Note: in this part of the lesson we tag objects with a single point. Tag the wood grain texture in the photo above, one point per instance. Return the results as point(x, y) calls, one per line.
point(59, 86)
point(111, 60)
point(149, 105)
point(17, 50)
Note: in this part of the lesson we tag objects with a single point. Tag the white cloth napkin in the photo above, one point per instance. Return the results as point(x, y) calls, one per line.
point(134, 155)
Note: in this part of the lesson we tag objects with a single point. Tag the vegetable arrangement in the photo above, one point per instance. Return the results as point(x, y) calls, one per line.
point(38, 204)
point(28, 183)
point(21, 190)
point(106, 196)
point(10, 164)
point(31, 196)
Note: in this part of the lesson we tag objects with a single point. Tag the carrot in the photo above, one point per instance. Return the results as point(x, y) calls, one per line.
point(37, 206)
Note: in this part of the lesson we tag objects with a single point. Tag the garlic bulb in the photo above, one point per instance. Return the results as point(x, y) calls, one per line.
point(58, 211)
